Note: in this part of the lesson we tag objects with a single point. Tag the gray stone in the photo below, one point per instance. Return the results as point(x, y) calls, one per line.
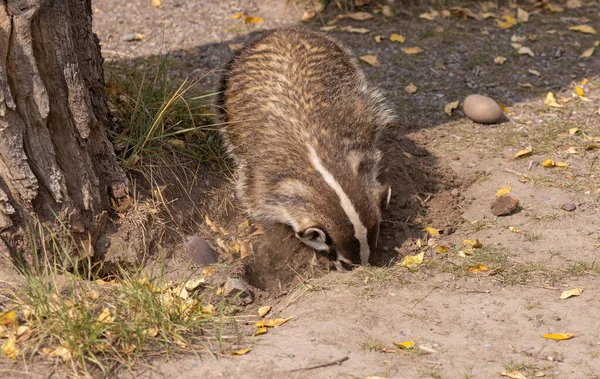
point(237, 288)
point(200, 251)
point(482, 109)
point(569, 207)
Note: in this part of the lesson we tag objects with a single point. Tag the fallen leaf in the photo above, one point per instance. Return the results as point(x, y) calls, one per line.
point(387, 11)
point(328, 28)
point(412, 50)
point(558, 336)
point(579, 91)
point(513, 374)
point(516, 230)
point(448, 108)
point(570, 293)
point(370, 59)
point(429, 15)
point(396, 38)
point(551, 101)
point(236, 16)
point(476, 268)
point(411, 88)
point(535, 72)
point(412, 261)
point(156, 3)
point(475, 244)
point(574, 131)
point(588, 53)
point(308, 15)
point(9, 347)
point(378, 38)
point(506, 22)
point(499, 60)
point(240, 352)
point(525, 50)
point(150, 332)
point(8, 318)
point(360, 16)
point(405, 345)
point(272, 322)
point(572, 4)
point(260, 331)
point(552, 163)
point(503, 191)
point(583, 29)
point(252, 19)
point(352, 29)
point(432, 231)
point(4, 333)
point(59, 351)
point(526, 85)
point(525, 152)
point(597, 43)
point(522, 15)
point(262, 311)
point(104, 317)
point(192, 284)
point(442, 249)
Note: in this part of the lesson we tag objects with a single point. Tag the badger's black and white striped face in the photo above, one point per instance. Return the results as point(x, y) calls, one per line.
point(346, 228)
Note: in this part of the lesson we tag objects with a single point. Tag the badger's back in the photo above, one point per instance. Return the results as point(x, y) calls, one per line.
point(301, 123)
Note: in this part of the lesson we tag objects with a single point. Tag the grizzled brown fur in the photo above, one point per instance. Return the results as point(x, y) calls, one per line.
point(289, 97)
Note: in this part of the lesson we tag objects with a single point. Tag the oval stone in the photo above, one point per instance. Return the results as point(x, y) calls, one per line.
point(482, 109)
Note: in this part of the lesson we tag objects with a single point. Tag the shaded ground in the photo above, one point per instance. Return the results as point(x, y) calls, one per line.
point(444, 172)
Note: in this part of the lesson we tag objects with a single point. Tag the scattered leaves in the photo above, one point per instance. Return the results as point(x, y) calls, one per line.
point(558, 336)
point(448, 108)
point(252, 19)
point(8, 318)
point(429, 15)
point(583, 29)
point(432, 231)
point(262, 311)
point(499, 60)
point(524, 50)
point(59, 351)
point(397, 38)
point(370, 59)
point(9, 347)
point(240, 352)
point(552, 163)
point(588, 53)
point(412, 261)
point(551, 101)
point(412, 50)
point(406, 345)
point(352, 29)
point(104, 317)
point(360, 16)
point(411, 88)
point(570, 293)
point(503, 191)
point(522, 15)
point(506, 22)
point(260, 331)
point(272, 322)
point(156, 3)
point(525, 152)
point(479, 267)
point(236, 16)
point(442, 249)
point(475, 244)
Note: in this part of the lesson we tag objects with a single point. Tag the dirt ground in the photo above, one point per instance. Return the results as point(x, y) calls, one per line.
point(444, 172)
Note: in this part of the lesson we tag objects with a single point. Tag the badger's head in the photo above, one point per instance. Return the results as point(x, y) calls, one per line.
point(341, 216)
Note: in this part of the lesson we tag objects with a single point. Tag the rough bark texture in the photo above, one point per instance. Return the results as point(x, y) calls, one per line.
point(55, 158)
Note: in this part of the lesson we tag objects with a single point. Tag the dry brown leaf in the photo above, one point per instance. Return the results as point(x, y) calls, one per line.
point(378, 38)
point(360, 16)
point(526, 85)
point(475, 244)
point(396, 38)
point(411, 88)
point(412, 50)
point(429, 15)
point(535, 72)
point(499, 60)
point(522, 15)
point(448, 108)
point(308, 15)
point(370, 59)
point(572, 4)
point(551, 101)
point(583, 29)
point(59, 351)
point(526, 50)
point(588, 53)
point(352, 29)
point(328, 28)
point(571, 293)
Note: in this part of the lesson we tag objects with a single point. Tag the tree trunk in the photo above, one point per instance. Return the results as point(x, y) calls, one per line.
point(55, 159)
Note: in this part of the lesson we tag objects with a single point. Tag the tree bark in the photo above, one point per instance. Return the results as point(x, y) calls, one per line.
point(56, 162)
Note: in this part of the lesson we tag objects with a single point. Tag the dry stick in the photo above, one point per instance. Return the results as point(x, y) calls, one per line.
point(332, 363)
point(515, 172)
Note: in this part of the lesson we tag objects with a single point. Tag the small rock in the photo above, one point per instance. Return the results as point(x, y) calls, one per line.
point(131, 37)
point(569, 207)
point(200, 251)
point(237, 288)
point(504, 205)
point(455, 192)
point(482, 109)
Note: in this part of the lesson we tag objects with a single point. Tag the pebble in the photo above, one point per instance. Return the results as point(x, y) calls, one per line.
point(200, 251)
point(482, 109)
point(455, 192)
point(235, 287)
point(569, 207)
point(504, 205)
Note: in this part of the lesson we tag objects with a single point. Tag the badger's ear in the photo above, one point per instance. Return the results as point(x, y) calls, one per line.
point(383, 196)
point(314, 237)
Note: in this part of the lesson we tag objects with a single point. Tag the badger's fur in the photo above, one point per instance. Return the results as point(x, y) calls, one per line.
point(301, 123)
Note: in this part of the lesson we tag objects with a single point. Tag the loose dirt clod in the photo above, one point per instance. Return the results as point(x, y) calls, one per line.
point(569, 207)
point(504, 205)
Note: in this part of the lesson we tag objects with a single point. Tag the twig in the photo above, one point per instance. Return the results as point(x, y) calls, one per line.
point(515, 172)
point(477, 291)
point(423, 298)
point(332, 363)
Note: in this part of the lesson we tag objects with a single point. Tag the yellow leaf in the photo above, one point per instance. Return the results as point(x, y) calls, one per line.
point(475, 244)
point(429, 16)
point(503, 191)
point(476, 268)
point(370, 59)
point(558, 336)
point(504, 25)
point(597, 43)
point(499, 60)
point(59, 351)
point(192, 284)
point(150, 332)
point(8, 318)
point(584, 81)
point(448, 108)
point(208, 271)
point(405, 345)
point(396, 38)
point(525, 50)
point(240, 352)
point(262, 311)
point(9, 348)
point(272, 323)
point(548, 163)
point(551, 101)
point(260, 331)
point(535, 72)
point(516, 230)
point(236, 16)
point(513, 374)
point(588, 53)
point(411, 88)
point(569, 293)
point(442, 249)
point(412, 50)
point(573, 131)
point(583, 29)
point(579, 91)
point(156, 3)
point(561, 164)
point(104, 317)
point(412, 261)
point(252, 19)
point(378, 38)
point(522, 15)
point(504, 109)
point(432, 231)
point(523, 153)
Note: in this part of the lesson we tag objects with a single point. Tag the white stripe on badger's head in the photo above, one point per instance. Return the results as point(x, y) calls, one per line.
point(360, 231)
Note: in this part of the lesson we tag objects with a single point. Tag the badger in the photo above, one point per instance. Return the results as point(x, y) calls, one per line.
point(301, 123)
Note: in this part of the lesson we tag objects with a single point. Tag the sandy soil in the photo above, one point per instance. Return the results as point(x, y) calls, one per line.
point(444, 171)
